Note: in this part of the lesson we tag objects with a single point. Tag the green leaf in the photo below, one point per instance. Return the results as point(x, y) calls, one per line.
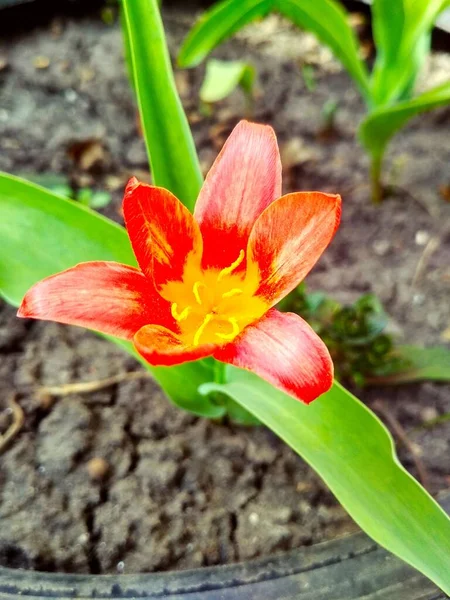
point(93, 199)
point(353, 452)
point(329, 22)
point(402, 36)
point(42, 233)
point(170, 146)
point(378, 127)
point(414, 364)
point(216, 25)
point(222, 77)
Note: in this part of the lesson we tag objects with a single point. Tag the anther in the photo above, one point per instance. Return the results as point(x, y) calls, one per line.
point(179, 316)
point(233, 334)
point(234, 265)
point(196, 288)
point(233, 292)
point(201, 329)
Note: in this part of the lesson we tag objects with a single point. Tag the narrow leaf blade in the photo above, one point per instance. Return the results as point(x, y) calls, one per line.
point(379, 126)
point(353, 452)
point(169, 141)
point(328, 21)
point(402, 37)
point(218, 24)
point(419, 364)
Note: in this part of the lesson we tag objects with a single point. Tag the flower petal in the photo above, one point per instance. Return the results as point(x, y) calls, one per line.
point(244, 179)
point(162, 347)
point(284, 350)
point(288, 239)
point(162, 231)
point(105, 296)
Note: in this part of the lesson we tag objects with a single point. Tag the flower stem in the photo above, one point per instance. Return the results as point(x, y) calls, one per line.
point(219, 372)
point(375, 179)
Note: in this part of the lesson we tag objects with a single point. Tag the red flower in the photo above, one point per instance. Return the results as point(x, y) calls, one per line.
point(207, 283)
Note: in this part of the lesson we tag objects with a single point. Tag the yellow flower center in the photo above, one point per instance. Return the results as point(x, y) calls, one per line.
point(213, 306)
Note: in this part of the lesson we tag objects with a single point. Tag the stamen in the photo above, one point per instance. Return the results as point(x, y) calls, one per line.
point(233, 292)
point(233, 334)
point(234, 265)
point(179, 316)
point(195, 289)
point(201, 329)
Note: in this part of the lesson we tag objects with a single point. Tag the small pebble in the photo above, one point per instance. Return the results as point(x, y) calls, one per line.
point(70, 95)
point(418, 299)
point(422, 237)
point(41, 62)
point(253, 518)
point(83, 538)
point(97, 468)
point(429, 413)
point(381, 247)
point(120, 566)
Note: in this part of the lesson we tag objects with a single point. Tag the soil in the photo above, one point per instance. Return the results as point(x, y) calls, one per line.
point(119, 480)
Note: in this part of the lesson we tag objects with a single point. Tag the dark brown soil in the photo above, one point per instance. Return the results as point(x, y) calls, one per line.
point(178, 491)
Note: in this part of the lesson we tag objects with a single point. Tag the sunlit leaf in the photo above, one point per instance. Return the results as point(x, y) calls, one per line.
point(222, 78)
point(217, 24)
point(170, 146)
point(353, 452)
point(379, 126)
point(329, 22)
point(402, 36)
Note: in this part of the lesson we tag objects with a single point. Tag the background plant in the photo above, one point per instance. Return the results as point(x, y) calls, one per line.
point(337, 435)
point(363, 350)
point(401, 31)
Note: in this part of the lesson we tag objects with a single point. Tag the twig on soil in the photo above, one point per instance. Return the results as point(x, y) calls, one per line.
point(430, 248)
point(404, 439)
point(85, 387)
point(16, 425)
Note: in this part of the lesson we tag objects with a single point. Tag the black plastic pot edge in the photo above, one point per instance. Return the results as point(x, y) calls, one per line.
point(353, 567)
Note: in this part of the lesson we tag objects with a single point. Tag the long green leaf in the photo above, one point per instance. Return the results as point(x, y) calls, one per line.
point(354, 454)
point(216, 25)
point(379, 126)
point(42, 233)
point(420, 364)
point(169, 141)
point(329, 22)
point(402, 33)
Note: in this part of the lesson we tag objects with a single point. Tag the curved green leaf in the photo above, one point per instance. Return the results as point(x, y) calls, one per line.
point(42, 233)
point(329, 22)
point(401, 30)
point(417, 364)
point(380, 125)
point(169, 141)
point(218, 24)
point(223, 76)
point(353, 452)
